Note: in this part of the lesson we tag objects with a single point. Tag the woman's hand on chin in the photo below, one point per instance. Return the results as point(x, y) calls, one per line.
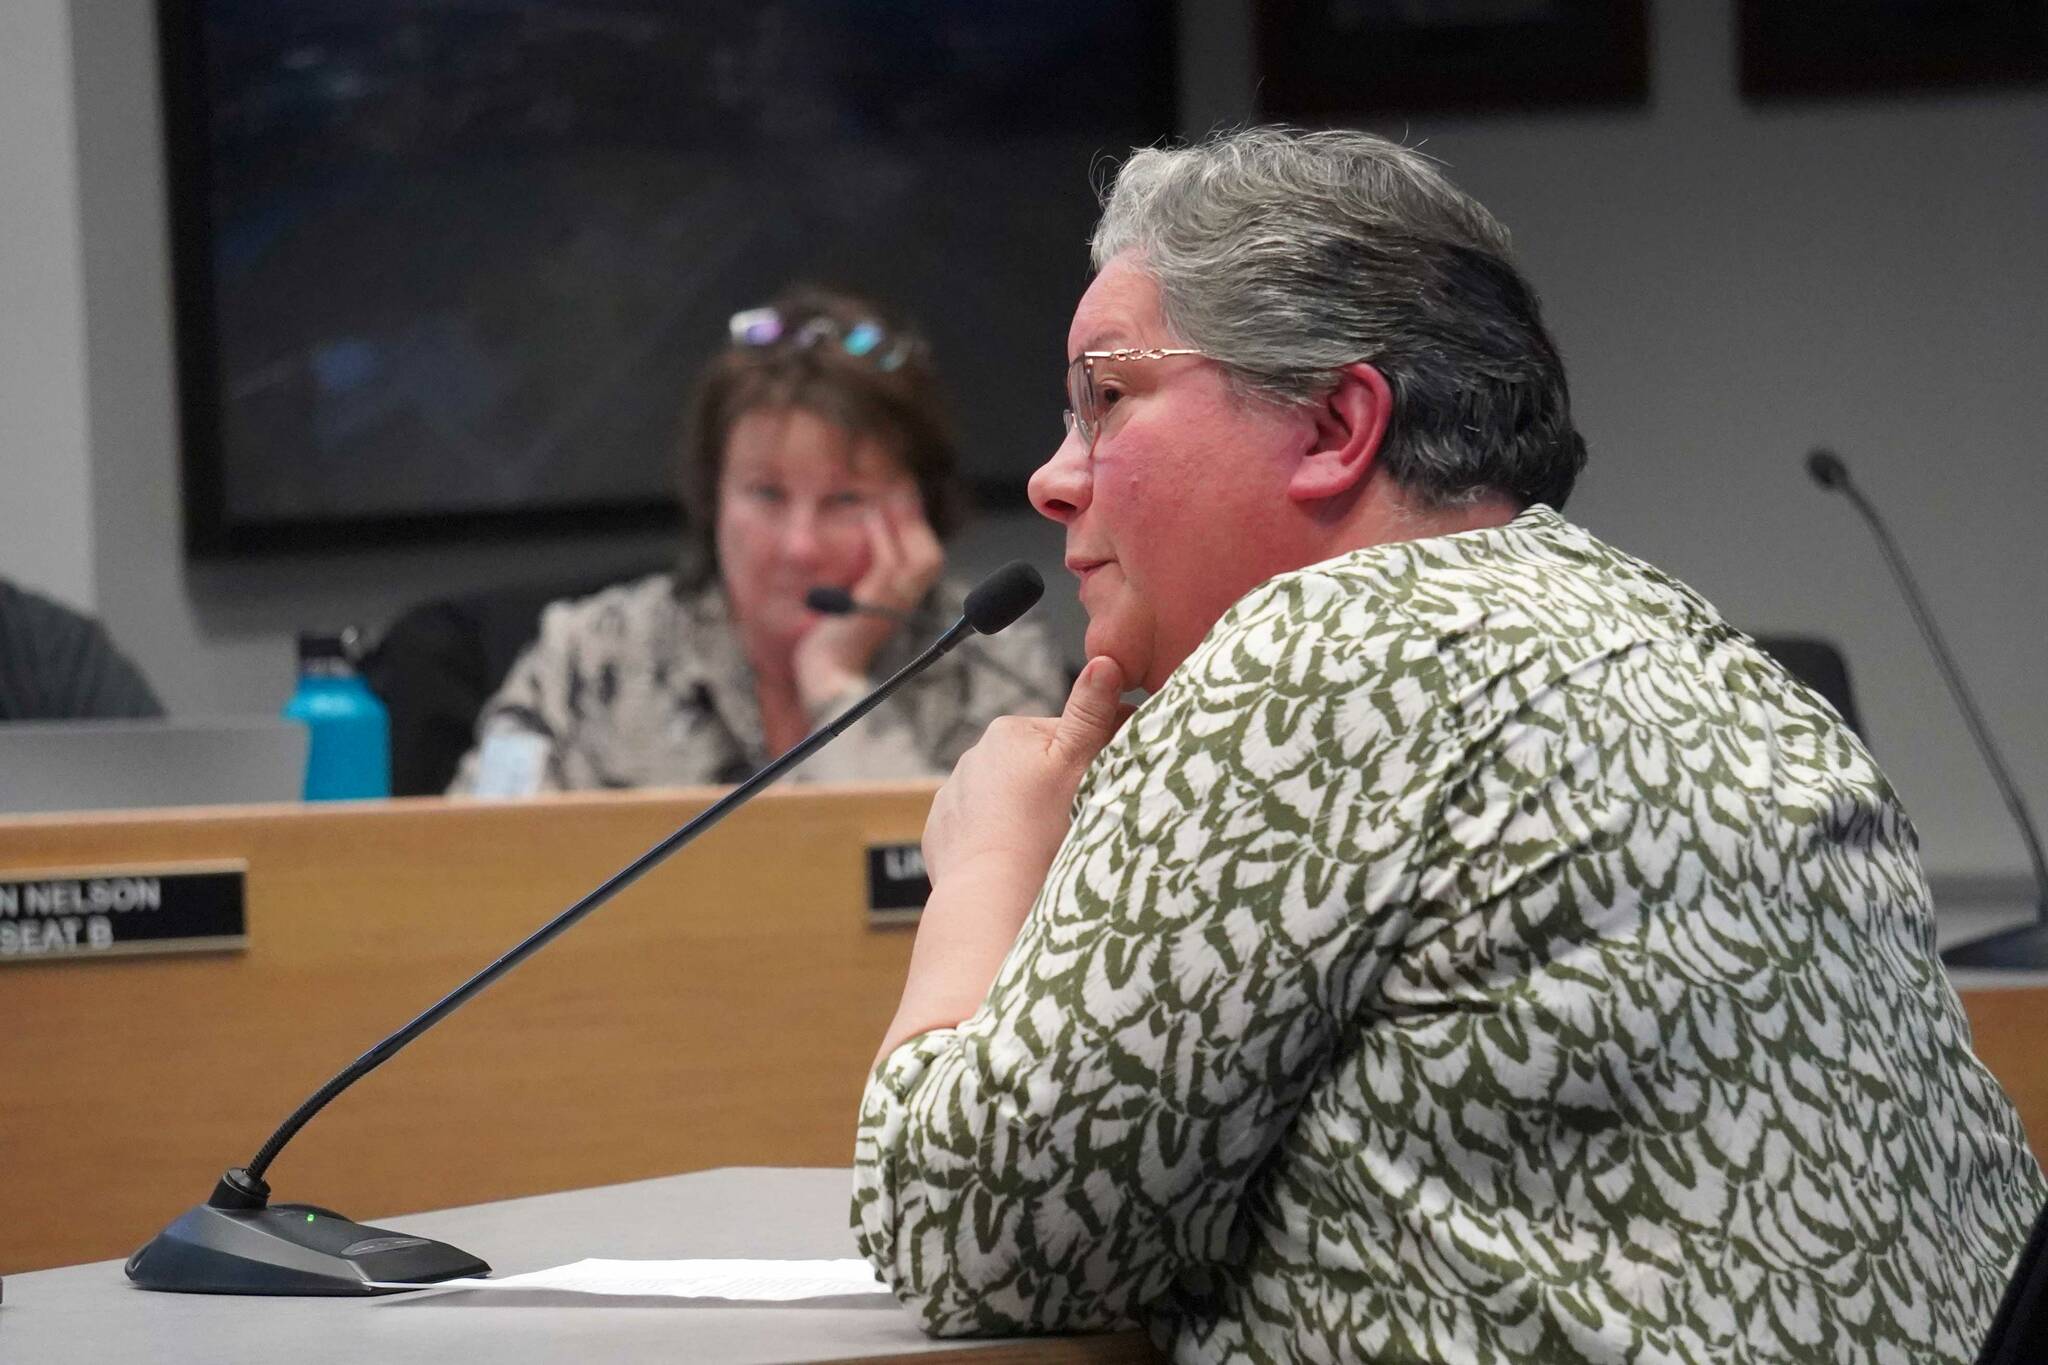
point(991, 837)
point(904, 560)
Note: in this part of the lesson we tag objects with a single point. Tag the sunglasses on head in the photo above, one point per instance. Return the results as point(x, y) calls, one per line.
point(866, 340)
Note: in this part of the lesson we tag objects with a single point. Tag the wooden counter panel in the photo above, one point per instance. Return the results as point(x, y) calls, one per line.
point(722, 1011)
point(2010, 1030)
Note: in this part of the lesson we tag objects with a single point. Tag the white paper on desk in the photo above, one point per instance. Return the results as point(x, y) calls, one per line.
point(750, 1281)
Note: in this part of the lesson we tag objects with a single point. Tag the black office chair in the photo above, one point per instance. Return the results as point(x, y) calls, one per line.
point(2019, 1331)
point(441, 661)
point(1819, 665)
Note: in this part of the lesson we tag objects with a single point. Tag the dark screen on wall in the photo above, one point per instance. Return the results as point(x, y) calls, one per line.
point(452, 264)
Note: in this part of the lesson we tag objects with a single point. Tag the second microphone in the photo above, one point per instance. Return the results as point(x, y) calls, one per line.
point(1047, 694)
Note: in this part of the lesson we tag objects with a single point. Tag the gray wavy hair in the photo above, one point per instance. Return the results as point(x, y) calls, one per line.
point(1286, 255)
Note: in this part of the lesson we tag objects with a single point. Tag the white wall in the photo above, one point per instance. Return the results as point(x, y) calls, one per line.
point(46, 531)
point(1730, 285)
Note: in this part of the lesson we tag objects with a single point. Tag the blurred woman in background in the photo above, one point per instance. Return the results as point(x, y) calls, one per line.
point(816, 455)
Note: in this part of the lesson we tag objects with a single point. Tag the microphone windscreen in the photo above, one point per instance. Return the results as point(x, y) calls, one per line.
point(1826, 467)
point(1002, 597)
point(829, 601)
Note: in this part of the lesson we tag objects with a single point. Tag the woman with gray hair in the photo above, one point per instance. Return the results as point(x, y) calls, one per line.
point(1473, 949)
point(1259, 245)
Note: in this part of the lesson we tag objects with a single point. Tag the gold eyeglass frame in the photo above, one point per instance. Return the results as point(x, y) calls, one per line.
point(1081, 414)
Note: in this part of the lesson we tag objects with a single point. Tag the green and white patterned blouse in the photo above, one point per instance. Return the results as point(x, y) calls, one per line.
point(1476, 952)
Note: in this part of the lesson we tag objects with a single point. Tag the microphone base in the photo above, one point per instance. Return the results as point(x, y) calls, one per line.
point(2024, 949)
point(290, 1249)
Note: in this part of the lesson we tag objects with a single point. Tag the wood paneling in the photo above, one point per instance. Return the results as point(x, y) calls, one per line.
point(2010, 1030)
point(723, 1011)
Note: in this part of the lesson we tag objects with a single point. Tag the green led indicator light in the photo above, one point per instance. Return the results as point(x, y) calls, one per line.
point(309, 1217)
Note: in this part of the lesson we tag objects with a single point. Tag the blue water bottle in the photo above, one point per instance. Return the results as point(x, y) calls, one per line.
point(350, 756)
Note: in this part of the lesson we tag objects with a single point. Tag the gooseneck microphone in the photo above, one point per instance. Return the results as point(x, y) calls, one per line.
point(829, 601)
point(238, 1242)
point(2025, 948)
point(839, 602)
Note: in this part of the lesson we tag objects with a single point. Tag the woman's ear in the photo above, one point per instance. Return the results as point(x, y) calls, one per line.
point(1350, 424)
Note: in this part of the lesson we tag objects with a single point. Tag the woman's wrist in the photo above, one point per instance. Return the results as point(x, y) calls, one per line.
point(969, 924)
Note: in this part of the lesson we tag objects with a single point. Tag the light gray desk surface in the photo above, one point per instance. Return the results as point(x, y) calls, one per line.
point(91, 1312)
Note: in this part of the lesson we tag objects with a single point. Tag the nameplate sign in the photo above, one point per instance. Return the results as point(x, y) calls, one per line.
point(897, 884)
point(74, 914)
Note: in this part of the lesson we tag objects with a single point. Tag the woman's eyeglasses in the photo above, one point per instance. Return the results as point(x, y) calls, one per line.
point(864, 340)
point(1084, 394)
